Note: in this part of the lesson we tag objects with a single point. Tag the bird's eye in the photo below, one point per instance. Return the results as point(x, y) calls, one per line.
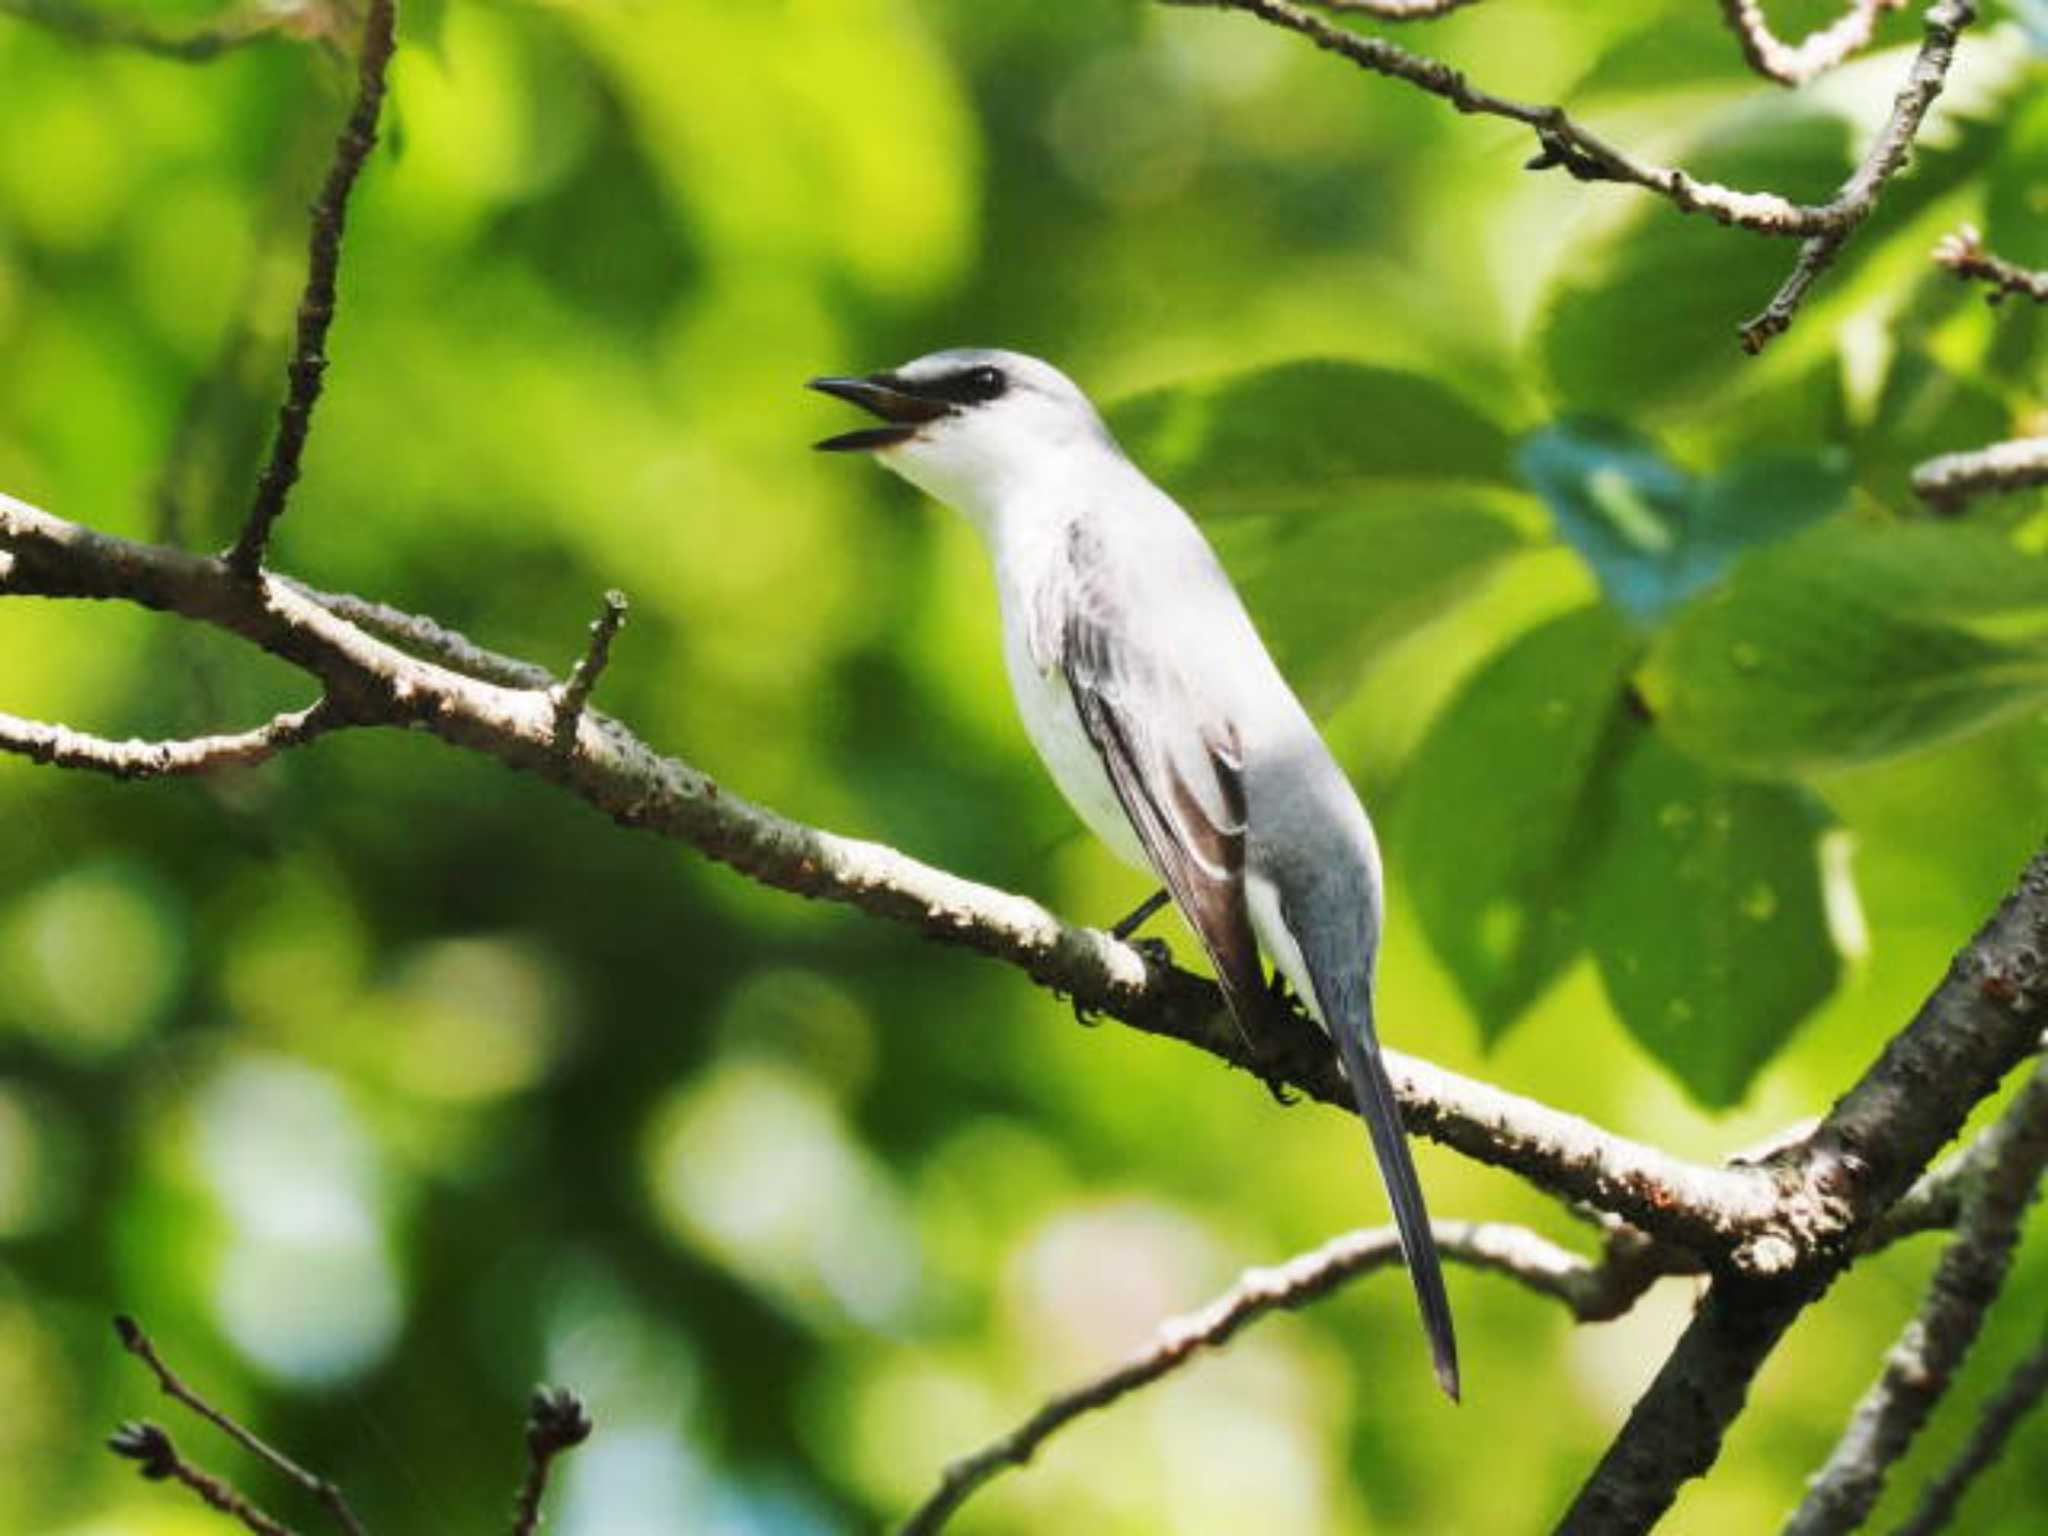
point(984, 383)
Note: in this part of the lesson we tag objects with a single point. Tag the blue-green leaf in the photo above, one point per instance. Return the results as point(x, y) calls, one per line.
point(1653, 533)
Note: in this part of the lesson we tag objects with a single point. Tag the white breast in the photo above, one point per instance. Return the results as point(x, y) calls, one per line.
point(1046, 706)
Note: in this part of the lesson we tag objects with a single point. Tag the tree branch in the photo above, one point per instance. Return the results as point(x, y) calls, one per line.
point(1563, 141)
point(424, 636)
point(369, 682)
point(137, 1343)
point(150, 1445)
point(1887, 155)
point(1935, 1201)
point(2021, 1394)
point(571, 697)
point(66, 748)
point(1980, 1022)
point(84, 24)
point(556, 1421)
point(1922, 1363)
point(1382, 10)
point(1952, 479)
point(1825, 227)
point(1963, 253)
point(1773, 1234)
point(1593, 1292)
point(307, 370)
point(1816, 53)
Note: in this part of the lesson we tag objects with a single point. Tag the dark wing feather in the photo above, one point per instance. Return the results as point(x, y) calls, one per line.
point(1180, 783)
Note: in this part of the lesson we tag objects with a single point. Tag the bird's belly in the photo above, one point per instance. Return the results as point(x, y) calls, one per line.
point(1046, 706)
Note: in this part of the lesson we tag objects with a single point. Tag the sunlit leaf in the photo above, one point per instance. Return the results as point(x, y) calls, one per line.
point(1302, 435)
point(1706, 918)
point(1494, 819)
point(1337, 495)
point(1330, 590)
point(1852, 643)
point(2018, 189)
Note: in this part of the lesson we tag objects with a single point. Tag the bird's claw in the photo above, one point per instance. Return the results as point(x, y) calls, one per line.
point(1155, 951)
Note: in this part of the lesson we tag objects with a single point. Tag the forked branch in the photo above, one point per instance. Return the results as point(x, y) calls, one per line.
point(307, 370)
point(1591, 1291)
point(138, 1344)
point(1816, 53)
point(1565, 142)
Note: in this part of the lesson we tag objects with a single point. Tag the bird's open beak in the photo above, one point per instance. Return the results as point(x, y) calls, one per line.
point(884, 396)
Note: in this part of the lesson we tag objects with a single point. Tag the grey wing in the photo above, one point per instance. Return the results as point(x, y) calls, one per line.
point(1177, 773)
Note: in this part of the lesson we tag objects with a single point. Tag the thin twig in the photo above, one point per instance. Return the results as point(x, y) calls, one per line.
point(1814, 54)
point(84, 24)
point(427, 637)
point(137, 1343)
point(1563, 141)
point(1947, 482)
point(556, 1421)
point(1963, 253)
point(1946, 20)
point(1936, 1200)
point(2021, 1394)
point(1923, 1362)
point(159, 1461)
point(1592, 1291)
point(571, 697)
point(66, 748)
point(1387, 10)
point(308, 367)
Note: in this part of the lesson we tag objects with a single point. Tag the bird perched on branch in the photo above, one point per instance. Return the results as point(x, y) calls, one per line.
point(1159, 713)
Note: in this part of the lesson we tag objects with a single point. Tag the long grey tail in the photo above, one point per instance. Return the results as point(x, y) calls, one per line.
point(1360, 1048)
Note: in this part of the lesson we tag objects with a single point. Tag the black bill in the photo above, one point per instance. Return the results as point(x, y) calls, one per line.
point(887, 397)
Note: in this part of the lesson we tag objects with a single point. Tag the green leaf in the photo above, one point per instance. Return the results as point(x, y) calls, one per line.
point(423, 24)
point(1330, 590)
point(1304, 434)
point(1706, 917)
point(1343, 498)
point(2013, 224)
point(1652, 533)
point(1492, 820)
point(1854, 642)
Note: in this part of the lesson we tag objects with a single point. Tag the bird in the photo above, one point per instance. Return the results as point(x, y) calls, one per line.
point(1154, 704)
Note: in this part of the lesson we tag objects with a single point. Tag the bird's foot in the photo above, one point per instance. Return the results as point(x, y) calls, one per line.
point(1283, 1095)
point(1155, 951)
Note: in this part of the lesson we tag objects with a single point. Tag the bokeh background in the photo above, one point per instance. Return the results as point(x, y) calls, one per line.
point(381, 1083)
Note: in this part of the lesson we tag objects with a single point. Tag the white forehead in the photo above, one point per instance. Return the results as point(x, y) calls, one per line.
point(1018, 368)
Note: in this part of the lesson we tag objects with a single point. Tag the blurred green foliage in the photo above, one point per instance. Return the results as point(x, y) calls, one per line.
point(381, 1084)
